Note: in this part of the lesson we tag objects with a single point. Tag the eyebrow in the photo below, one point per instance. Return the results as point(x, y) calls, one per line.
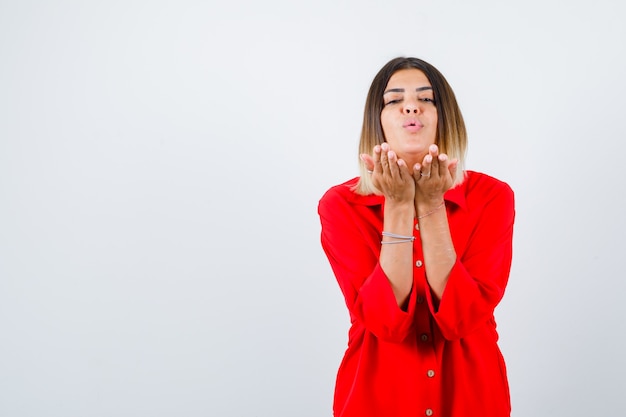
point(401, 90)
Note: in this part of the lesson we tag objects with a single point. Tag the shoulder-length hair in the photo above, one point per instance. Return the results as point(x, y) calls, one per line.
point(451, 137)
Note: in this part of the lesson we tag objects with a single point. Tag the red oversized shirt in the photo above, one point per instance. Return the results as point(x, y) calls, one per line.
point(435, 358)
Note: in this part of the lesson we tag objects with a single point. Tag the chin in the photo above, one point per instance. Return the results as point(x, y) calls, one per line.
point(414, 151)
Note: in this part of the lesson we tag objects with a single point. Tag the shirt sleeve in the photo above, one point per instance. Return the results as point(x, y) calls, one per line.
point(478, 278)
point(353, 249)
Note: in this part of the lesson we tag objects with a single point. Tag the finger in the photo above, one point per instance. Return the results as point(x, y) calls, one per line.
point(377, 165)
point(404, 171)
point(393, 164)
point(452, 167)
point(416, 172)
point(426, 166)
point(384, 157)
point(403, 168)
point(368, 161)
point(443, 164)
point(433, 151)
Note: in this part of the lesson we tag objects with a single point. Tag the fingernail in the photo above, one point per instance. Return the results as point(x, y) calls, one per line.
point(443, 157)
point(428, 158)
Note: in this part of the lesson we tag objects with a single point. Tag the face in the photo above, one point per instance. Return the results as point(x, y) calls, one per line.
point(409, 115)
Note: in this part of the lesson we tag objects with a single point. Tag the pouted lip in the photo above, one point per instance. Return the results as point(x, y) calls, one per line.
point(413, 123)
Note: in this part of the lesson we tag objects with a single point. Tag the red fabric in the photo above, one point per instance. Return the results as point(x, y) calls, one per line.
point(439, 359)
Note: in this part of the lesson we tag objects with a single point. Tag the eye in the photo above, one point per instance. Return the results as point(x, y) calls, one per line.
point(392, 101)
point(427, 100)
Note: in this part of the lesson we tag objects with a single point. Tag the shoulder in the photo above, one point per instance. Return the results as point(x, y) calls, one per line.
point(481, 190)
point(341, 191)
point(482, 184)
point(345, 193)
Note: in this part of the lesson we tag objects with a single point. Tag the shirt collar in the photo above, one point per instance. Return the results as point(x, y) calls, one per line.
point(456, 195)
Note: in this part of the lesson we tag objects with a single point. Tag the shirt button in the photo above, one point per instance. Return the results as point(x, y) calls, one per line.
point(429, 412)
point(430, 373)
point(418, 263)
point(424, 337)
point(420, 299)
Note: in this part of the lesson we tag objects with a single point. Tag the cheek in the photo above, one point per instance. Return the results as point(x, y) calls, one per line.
point(434, 121)
point(385, 123)
point(432, 114)
point(386, 119)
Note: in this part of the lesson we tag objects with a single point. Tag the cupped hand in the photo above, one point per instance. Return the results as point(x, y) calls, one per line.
point(390, 174)
point(434, 176)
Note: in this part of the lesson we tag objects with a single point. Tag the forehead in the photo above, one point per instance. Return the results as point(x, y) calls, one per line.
point(408, 78)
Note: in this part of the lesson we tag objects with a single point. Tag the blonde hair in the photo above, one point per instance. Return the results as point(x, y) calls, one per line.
point(451, 135)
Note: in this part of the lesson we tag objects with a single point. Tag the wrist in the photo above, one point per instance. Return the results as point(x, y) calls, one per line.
point(425, 210)
point(397, 206)
point(398, 218)
point(428, 202)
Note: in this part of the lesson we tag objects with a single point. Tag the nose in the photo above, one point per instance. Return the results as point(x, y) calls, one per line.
point(411, 106)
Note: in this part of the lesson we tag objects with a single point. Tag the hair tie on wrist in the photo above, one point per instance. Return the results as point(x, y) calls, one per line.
point(432, 211)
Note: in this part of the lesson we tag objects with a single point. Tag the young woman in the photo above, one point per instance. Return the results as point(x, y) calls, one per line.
point(422, 251)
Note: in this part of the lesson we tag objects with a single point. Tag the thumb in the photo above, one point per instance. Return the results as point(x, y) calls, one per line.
point(452, 166)
point(368, 161)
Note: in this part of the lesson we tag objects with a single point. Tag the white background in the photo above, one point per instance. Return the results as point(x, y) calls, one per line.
point(161, 164)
